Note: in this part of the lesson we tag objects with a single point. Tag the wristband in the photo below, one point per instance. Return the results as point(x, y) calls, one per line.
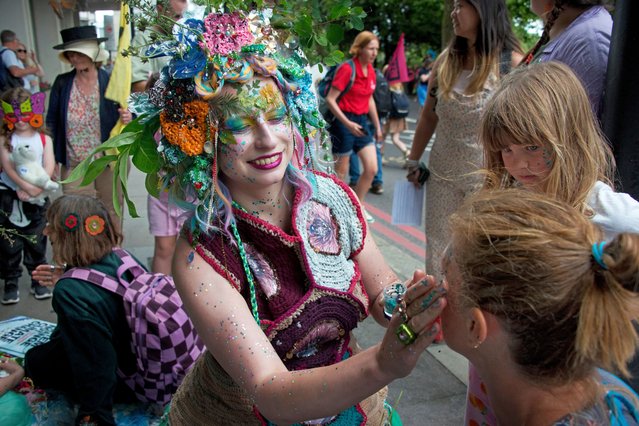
point(410, 164)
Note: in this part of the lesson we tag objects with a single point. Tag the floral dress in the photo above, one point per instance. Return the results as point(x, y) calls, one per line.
point(455, 157)
point(83, 123)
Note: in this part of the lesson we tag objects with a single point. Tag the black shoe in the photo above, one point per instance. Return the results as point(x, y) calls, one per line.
point(39, 291)
point(377, 188)
point(11, 294)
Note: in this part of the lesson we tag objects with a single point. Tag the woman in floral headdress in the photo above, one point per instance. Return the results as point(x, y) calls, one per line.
point(276, 268)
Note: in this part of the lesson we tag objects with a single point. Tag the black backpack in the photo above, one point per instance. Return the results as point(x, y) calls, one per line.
point(400, 105)
point(382, 95)
point(7, 81)
point(324, 86)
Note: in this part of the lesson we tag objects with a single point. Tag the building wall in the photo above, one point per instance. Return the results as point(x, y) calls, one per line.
point(38, 26)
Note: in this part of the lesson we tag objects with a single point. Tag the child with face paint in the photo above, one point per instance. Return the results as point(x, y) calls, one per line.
point(275, 267)
point(22, 123)
point(539, 132)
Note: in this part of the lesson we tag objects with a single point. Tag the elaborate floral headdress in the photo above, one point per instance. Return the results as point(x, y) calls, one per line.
point(29, 111)
point(207, 51)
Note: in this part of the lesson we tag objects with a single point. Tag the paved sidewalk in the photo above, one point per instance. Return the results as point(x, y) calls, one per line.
point(434, 394)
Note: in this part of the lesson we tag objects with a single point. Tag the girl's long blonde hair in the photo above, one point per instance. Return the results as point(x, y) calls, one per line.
point(546, 105)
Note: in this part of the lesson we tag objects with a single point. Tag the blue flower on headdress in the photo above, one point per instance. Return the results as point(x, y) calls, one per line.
point(192, 59)
point(189, 32)
point(303, 101)
point(160, 48)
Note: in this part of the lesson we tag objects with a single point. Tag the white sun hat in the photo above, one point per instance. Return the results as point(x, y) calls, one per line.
point(82, 40)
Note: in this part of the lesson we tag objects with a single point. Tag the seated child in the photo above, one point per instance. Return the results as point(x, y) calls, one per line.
point(14, 408)
point(92, 340)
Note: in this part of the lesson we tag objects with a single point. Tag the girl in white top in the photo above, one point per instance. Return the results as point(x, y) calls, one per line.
point(22, 123)
point(539, 132)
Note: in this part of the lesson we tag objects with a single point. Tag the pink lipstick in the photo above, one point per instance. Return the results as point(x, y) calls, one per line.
point(267, 162)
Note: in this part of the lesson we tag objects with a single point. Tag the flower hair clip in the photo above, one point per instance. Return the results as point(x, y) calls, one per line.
point(70, 223)
point(94, 225)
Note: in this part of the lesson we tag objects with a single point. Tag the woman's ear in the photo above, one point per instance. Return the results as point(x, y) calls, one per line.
point(477, 327)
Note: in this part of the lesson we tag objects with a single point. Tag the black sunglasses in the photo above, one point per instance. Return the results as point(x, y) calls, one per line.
point(21, 50)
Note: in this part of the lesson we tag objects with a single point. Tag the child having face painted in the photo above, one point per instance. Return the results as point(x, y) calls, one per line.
point(541, 304)
point(539, 133)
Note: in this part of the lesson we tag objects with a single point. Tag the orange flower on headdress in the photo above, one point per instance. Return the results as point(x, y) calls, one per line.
point(94, 225)
point(190, 132)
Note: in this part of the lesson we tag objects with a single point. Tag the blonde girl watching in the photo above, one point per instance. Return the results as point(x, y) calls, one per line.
point(539, 133)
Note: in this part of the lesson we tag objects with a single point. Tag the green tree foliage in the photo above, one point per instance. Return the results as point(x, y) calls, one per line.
point(419, 20)
point(427, 24)
point(317, 25)
point(523, 19)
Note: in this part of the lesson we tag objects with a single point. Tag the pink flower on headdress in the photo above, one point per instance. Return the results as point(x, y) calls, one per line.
point(226, 33)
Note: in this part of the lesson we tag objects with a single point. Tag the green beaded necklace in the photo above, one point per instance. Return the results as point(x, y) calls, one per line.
point(245, 265)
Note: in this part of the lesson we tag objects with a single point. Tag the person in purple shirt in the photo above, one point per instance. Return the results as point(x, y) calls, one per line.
point(577, 33)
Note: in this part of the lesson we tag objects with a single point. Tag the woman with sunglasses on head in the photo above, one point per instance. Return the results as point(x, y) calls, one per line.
point(31, 81)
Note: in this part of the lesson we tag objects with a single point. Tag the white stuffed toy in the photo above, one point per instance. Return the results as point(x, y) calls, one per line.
point(31, 170)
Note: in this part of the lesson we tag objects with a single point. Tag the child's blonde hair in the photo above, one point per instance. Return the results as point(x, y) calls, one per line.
point(528, 260)
point(546, 105)
point(72, 242)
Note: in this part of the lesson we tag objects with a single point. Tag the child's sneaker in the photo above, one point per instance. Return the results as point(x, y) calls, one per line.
point(11, 294)
point(39, 291)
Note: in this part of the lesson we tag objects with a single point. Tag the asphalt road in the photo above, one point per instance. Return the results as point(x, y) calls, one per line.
point(410, 239)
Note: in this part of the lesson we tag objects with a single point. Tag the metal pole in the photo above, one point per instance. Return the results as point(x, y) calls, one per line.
point(621, 113)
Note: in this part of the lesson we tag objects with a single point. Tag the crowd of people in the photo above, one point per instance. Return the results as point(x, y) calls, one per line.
point(532, 264)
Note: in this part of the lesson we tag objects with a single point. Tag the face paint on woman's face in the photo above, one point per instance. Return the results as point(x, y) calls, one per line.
point(262, 144)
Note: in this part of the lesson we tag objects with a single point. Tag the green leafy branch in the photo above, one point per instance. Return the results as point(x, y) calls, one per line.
point(135, 141)
point(10, 234)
